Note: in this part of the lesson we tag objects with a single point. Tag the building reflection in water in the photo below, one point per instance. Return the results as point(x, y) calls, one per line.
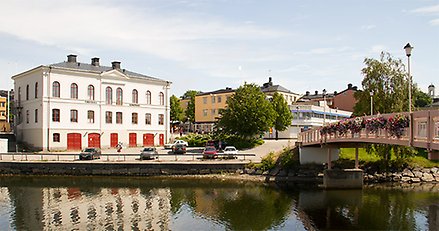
point(104, 209)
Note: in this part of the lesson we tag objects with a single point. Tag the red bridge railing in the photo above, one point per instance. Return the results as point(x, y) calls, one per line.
point(422, 131)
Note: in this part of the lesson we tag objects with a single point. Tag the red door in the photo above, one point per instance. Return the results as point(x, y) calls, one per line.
point(74, 141)
point(113, 140)
point(148, 139)
point(94, 140)
point(133, 140)
point(162, 139)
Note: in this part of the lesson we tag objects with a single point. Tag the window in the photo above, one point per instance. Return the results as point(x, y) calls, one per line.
point(91, 92)
point(161, 98)
point(148, 118)
point(74, 91)
point(135, 97)
point(2, 104)
point(74, 116)
point(119, 96)
point(134, 118)
point(219, 99)
point(119, 117)
point(108, 117)
point(27, 116)
point(27, 92)
point(91, 117)
point(204, 100)
point(36, 90)
point(161, 119)
point(109, 95)
point(422, 129)
point(36, 116)
point(213, 99)
point(213, 111)
point(204, 112)
point(55, 89)
point(55, 115)
point(56, 137)
point(148, 97)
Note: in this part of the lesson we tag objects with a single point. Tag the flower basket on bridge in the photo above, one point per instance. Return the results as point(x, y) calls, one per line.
point(397, 124)
point(374, 124)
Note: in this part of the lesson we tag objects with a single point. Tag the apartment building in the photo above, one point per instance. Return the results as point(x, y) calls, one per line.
point(343, 100)
point(71, 105)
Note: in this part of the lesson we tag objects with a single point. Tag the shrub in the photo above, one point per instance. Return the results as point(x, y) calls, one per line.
point(268, 162)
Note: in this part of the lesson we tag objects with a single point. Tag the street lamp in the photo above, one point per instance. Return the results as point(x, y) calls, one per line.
point(324, 107)
point(408, 52)
point(371, 103)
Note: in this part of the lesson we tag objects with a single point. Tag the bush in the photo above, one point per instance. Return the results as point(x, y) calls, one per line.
point(196, 140)
point(289, 158)
point(268, 162)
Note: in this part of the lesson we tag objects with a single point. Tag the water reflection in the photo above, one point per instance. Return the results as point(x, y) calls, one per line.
point(94, 203)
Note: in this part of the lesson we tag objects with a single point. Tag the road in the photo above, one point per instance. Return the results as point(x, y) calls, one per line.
point(132, 154)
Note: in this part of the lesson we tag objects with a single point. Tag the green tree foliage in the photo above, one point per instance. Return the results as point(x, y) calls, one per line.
point(190, 110)
point(176, 110)
point(421, 98)
point(248, 112)
point(283, 115)
point(386, 78)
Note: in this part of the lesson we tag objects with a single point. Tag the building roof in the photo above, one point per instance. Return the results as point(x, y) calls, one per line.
point(98, 69)
point(269, 87)
point(220, 91)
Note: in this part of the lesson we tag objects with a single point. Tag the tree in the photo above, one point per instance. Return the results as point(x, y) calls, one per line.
point(248, 113)
point(176, 110)
point(421, 98)
point(283, 114)
point(386, 78)
point(190, 110)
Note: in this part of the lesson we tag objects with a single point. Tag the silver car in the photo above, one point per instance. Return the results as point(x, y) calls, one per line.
point(149, 153)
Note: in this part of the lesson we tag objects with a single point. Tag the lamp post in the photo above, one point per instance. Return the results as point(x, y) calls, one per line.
point(324, 107)
point(408, 52)
point(371, 103)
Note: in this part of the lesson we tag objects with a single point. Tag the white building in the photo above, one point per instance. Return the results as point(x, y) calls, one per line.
point(72, 105)
point(309, 116)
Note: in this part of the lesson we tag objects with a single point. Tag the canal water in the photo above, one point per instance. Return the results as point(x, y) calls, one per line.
point(127, 203)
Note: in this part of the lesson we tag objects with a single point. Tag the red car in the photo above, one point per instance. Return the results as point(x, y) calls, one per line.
point(210, 152)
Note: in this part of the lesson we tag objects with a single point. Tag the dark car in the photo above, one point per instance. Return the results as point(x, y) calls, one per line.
point(218, 144)
point(148, 153)
point(90, 154)
point(179, 149)
point(210, 152)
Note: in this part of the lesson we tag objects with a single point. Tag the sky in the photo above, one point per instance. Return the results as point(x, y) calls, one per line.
point(207, 45)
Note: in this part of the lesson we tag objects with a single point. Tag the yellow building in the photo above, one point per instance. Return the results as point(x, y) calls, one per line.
point(207, 107)
point(4, 126)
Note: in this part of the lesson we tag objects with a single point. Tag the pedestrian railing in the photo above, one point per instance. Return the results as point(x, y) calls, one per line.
point(27, 156)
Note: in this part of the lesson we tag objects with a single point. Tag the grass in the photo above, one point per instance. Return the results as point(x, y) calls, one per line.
point(415, 161)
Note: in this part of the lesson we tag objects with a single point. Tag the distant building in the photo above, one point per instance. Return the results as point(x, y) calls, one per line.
point(307, 117)
point(71, 105)
point(269, 89)
point(343, 100)
point(433, 96)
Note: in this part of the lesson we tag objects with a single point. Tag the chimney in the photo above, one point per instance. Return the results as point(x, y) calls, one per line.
point(95, 61)
point(316, 92)
point(335, 92)
point(115, 65)
point(71, 58)
point(350, 86)
point(307, 93)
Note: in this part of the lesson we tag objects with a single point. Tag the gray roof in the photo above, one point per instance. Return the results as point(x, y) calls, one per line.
point(98, 69)
point(275, 88)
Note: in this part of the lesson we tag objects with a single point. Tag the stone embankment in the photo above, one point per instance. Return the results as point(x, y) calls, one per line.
point(408, 175)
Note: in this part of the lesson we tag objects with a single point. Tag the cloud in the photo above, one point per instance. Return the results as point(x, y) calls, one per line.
point(84, 26)
point(435, 22)
point(427, 10)
point(368, 27)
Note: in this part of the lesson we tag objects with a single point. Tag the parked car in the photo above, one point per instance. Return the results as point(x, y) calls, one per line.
point(148, 153)
point(230, 151)
point(169, 146)
point(179, 149)
point(218, 144)
point(210, 152)
point(90, 154)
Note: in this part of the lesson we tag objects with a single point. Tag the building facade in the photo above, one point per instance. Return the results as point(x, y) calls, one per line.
point(72, 105)
point(269, 90)
point(343, 100)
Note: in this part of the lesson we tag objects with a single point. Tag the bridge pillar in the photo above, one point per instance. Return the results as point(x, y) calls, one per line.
point(342, 178)
point(433, 155)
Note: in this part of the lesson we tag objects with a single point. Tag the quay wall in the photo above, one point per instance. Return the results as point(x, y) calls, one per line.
point(117, 169)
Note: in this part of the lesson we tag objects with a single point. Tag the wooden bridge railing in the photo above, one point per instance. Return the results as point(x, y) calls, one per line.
point(422, 132)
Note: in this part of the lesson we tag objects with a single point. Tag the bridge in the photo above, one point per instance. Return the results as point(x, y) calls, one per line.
point(418, 129)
